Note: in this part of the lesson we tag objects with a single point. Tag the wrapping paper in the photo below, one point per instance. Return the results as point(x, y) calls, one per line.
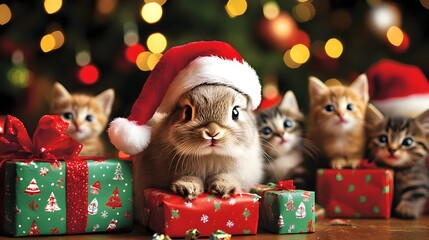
point(358, 193)
point(173, 215)
point(47, 189)
point(285, 211)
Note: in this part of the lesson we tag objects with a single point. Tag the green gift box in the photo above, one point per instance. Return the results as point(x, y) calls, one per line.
point(285, 211)
point(47, 189)
point(66, 197)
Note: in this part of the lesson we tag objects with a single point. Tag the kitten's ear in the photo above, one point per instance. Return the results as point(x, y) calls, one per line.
point(289, 102)
point(373, 116)
point(316, 87)
point(59, 92)
point(423, 119)
point(106, 99)
point(360, 86)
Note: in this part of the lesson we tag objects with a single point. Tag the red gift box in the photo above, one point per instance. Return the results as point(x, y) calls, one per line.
point(173, 215)
point(355, 193)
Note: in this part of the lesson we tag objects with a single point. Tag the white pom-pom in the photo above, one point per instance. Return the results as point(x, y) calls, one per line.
point(128, 136)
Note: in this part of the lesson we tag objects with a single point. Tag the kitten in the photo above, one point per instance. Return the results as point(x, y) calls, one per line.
point(281, 133)
point(87, 116)
point(403, 145)
point(337, 115)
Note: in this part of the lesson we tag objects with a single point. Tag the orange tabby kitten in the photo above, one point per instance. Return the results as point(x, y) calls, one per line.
point(337, 115)
point(87, 117)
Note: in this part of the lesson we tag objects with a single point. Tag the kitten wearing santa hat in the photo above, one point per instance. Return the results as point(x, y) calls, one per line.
point(207, 139)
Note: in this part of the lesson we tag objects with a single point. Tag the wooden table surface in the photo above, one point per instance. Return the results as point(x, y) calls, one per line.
point(361, 229)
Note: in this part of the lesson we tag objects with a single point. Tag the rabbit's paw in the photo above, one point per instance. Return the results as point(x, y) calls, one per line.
point(223, 185)
point(188, 186)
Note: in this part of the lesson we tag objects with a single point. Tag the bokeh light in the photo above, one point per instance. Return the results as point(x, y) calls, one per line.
point(270, 90)
point(395, 36)
point(156, 43)
point(5, 14)
point(333, 82)
point(83, 58)
point(236, 8)
point(271, 10)
point(425, 3)
point(19, 76)
point(47, 43)
point(151, 12)
point(304, 12)
point(17, 57)
point(141, 61)
point(160, 2)
point(300, 53)
point(131, 35)
point(287, 59)
point(52, 6)
point(133, 51)
point(59, 39)
point(106, 7)
point(383, 16)
point(334, 48)
point(153, 59)
point(88, 74)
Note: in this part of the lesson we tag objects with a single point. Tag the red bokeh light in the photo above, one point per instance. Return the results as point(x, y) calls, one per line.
point(133, 51)
point(88, 74)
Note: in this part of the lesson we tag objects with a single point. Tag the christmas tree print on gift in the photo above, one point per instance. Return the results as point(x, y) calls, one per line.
point(52, 204)
point(32, 188)
point(114, 200)
point(93, 207)
point(95, 187)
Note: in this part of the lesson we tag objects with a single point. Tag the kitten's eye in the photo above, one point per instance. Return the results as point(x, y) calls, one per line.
point(188, 112)
point(235, 113)
point(383, 139)
point(329, 108)
point(267, 131)
point(287, 123)
point(68, 115)
point(350, 107)
point(89, 118)
point(407, 142)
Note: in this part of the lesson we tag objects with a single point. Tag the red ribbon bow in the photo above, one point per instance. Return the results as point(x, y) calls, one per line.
point(285, 185)
point(49, 140)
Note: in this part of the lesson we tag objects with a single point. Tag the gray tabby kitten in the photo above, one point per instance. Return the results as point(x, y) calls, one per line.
point(281, 133)
point(403, 145)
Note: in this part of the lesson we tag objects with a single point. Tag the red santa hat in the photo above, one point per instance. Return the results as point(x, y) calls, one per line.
point(398, 89)
point(179, 70)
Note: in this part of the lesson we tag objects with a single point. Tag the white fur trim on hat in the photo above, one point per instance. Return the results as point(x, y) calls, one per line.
point(214, 70)
point(137, 136)
point(409, 106)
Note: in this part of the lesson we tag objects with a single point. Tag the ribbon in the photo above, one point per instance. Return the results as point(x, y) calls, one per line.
point(49, 140)
point(286, 185)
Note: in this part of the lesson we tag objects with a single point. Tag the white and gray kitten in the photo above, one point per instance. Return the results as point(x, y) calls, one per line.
point(287, 153)
point(403, 145)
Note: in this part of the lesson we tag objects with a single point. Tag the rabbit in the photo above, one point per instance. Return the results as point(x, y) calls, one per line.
point(209, 142)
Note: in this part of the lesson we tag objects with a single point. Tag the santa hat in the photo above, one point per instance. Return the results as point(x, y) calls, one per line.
point(398, 89)
point(179, 70)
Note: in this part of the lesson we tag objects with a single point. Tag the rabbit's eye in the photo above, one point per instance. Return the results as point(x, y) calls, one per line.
point(235, 113)
point(188, 112)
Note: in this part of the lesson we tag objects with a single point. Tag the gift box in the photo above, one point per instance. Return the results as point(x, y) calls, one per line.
point(174, 215)
point(284, 209)
point(48, 190)
point(355, 193)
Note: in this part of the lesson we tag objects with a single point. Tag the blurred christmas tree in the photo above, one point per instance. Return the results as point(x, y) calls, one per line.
point(89, 46)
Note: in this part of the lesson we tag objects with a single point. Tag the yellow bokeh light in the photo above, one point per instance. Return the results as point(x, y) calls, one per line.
point(160, 2)
point(5, 14)
point(153, 59)
point(142, 60)
point(300, 53)
point(47, 43)
point(19, 76)
point(334, 48)
point(333, 82)
point(271, 10)
point(304, 12)
point(53, 6)
point(156, 43)
point(395, 36)
point(151, 12)
point(270, 90)
point(289, 62)
point(59, 39)
point(236, 8)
